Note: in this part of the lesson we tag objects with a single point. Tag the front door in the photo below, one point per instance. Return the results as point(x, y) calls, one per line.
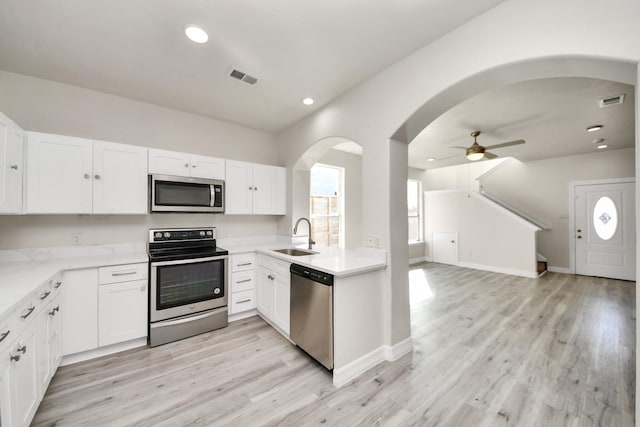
point(605, 230)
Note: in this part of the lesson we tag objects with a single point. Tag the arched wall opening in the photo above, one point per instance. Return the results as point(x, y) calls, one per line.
point(339, 152)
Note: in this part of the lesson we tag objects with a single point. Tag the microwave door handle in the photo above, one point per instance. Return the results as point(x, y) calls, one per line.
point(212, 189)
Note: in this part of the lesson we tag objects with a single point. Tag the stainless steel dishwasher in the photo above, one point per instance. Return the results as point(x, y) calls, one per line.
point(311, 319)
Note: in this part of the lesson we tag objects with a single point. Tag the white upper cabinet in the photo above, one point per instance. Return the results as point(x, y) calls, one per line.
point(59, 174)
point(11, 148)
point(119, 178)
point(182, 164)
point(68, 175)
point(254, 189)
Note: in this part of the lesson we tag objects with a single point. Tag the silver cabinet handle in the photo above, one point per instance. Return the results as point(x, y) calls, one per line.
point(255, 188)
point(22, 349)
point(96, 176)
point(243, 301)
point(29, 311)
point(4, 335)
point(244, 264)
point(58, 284)
point(243, 281)
point(15, 358)
point(270, 277)
point(54, 310)
point(193, 166)
point(87, 176)
point(250, 188)
point(126, 273)
point(14, 167)
point(46, 294)
point(186, 165)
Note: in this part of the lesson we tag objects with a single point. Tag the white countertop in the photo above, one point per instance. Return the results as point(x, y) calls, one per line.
point(24, 270)
point(339, 262)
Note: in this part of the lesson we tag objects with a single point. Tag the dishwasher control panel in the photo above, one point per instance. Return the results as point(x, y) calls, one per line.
point(311, 274)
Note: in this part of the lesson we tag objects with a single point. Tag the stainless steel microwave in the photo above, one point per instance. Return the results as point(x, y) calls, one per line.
point(183, 194)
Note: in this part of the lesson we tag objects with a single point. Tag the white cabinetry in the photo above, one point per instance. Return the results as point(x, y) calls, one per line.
point(254, 189)
point(243, 277)
point(122, 304)
point(23, 377)
point(11, 137)
point(76, 175)
point(80, 318)
point(274, 290)
point(182, 164)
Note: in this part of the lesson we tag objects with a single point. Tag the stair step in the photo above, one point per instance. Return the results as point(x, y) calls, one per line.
point(542, 267)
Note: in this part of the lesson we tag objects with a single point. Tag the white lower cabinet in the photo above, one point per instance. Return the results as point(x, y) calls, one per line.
point(242, 293)
point(273, 291)
point(80, 317)
point(122, 311)
point(23, 377)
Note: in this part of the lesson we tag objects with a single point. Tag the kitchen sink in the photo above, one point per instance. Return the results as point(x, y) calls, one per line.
point(294, 252)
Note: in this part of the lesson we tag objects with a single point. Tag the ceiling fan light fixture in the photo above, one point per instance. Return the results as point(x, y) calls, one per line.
point(475, 155)
point(594, 128)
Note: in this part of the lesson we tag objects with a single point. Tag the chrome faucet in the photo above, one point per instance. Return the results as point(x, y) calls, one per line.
point(295, 230)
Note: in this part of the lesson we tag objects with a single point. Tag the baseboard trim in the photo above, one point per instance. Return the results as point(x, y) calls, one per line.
point(245, 314)
point(349, 372)
point(493, 269)
point(417, 260)
point(563, 270)
point(102, 351)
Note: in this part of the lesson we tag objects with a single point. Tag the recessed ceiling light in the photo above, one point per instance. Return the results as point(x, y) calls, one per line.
point(308, 101)
point(196, 34)
point(594, 128)
point(601, 146)
point(430, 159)
point(598, 141)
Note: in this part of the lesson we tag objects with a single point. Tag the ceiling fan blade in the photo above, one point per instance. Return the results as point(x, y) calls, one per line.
point(488, 155)
point(506, 144)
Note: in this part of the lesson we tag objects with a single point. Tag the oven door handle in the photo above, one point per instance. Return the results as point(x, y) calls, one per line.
point(188, 261)
point(188, 319)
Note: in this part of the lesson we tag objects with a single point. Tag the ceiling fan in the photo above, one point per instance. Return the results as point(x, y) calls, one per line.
point(477, 151)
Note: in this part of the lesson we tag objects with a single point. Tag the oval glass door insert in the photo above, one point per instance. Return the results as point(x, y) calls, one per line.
point(605, 218)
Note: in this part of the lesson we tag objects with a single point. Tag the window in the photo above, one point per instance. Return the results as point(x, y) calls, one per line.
point(415, 210)
point(327, 205)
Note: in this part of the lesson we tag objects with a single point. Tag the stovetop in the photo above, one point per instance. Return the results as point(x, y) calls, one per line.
point(167, 244)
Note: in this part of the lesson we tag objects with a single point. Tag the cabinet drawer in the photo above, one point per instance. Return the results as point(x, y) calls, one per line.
point(122, 273)
point(243, 281)
point(242, 301)
point(243, 262)
point(281, 267)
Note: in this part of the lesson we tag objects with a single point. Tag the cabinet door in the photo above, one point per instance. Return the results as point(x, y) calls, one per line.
point(282, 302)
point(79, 296)
point(11, 137)
point(207, 167)
point(59, 174)
point(239, 188)
point(42, 350)
point(54, 326)
point(269, 189)
point(5, 392)
point(169, 162)
point(123, 312)
point(265, 292)
point(23, 377)
point(120, 178)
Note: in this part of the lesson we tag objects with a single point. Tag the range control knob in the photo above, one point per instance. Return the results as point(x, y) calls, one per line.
point(216, 291)
point(167, 234)
point(202, 233)
point(157, 235)
point(209, 233)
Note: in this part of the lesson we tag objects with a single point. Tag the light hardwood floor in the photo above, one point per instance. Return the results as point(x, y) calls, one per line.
point(489, 350)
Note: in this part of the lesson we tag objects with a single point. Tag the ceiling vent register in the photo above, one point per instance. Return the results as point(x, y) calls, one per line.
point(612, 100)
point(239, 75)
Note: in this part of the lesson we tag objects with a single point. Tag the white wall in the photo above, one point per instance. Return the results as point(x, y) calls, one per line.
point(46, 106)
point(464, 176)
point(352, 164)
point(541, 189)
point(489, 237)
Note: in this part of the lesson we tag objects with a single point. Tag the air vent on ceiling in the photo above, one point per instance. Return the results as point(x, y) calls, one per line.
point(612, 100)
point(239, 75)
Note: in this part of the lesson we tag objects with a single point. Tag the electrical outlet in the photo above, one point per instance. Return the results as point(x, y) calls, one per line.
point(370, 241)
point(76, 239)
point(376, 242)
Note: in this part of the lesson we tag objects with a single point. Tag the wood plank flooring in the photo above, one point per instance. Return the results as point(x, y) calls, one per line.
point(489, 350)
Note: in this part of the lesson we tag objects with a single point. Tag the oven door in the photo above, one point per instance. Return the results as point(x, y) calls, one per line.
point(183, 287)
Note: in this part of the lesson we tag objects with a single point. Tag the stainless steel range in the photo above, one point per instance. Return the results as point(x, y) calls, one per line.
point(188, 284)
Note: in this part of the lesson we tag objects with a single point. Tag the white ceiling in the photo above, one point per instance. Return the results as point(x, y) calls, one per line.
point(137, 48)
point(551, 115)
